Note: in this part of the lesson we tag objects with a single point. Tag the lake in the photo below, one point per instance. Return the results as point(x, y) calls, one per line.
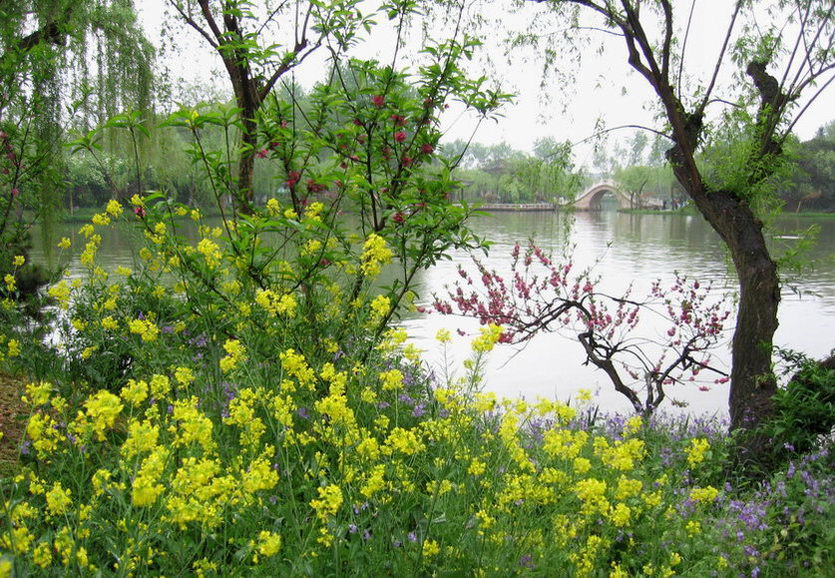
point(630, 248)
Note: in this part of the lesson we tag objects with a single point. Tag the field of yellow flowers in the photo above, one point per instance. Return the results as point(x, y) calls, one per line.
point(206, 413)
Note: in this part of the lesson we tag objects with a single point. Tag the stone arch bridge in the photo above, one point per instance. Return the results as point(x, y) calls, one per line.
point(589, 200)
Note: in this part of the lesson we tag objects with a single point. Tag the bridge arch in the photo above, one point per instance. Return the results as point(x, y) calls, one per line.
point(589, 199)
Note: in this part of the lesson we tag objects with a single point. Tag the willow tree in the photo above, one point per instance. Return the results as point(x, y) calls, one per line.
point(784, 56)
point(86, 56)
point(259, 43)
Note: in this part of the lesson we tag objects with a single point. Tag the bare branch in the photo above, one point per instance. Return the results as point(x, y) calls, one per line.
point(684, 46)
point(807, 105)
point(800, 37)
point(599, 8)
point(668, 38)
point(604, 363)
point(723, 101)
point(701, 108)
point(598, 29)
point(191, 22)
point(797, 85)
point(608, 130)
point(210, 20)
point(291, 60)
point(270, 17)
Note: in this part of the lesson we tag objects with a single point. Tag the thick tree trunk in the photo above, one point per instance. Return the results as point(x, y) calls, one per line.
point(752, 381)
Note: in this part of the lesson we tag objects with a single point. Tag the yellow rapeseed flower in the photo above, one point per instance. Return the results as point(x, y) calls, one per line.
point(380, 307)
point(269, 543)
point(103, 408)
point(488, 338)
point(114, 208)
point(329, 502)
point(706, 495)
point(58, 499)
point(375, 254)
point(696, 451)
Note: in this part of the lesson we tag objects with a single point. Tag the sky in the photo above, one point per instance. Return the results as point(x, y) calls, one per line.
point(601, 88)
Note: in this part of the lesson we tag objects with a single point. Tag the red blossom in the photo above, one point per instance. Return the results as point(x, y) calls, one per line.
point(378, 100)
point(542, 296)
point(400, 136)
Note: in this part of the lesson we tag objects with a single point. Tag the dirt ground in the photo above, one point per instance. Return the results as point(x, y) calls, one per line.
point(12, 421)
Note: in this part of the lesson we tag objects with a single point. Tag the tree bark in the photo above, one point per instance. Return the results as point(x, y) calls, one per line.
point(247, 99)
point(246, 164)
point(752, 381)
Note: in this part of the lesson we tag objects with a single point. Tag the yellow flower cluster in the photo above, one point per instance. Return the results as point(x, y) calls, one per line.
point(145, 328)
point(706, 495)
point(375, 254)
point(102, 409)
point(114, 208)
point(275, 304)
point(61, 293)
point(380, 307)
point(696, 451)
point(487, 339)
point(211, 252)
point(235, 355)
point(329, 501)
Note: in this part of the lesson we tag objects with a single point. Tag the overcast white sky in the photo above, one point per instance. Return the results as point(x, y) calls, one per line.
point(563, 111)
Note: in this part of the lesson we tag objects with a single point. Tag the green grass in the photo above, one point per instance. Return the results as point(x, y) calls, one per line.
point(808, 215)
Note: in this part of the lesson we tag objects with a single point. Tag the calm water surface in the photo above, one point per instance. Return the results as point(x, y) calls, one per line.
point(630, 248)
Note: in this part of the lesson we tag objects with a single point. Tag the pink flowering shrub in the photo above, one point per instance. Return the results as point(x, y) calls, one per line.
point(541, 295)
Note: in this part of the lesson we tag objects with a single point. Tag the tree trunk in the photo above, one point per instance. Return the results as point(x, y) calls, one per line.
point(247, 99)
point(246, 163)
point(752, 381)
